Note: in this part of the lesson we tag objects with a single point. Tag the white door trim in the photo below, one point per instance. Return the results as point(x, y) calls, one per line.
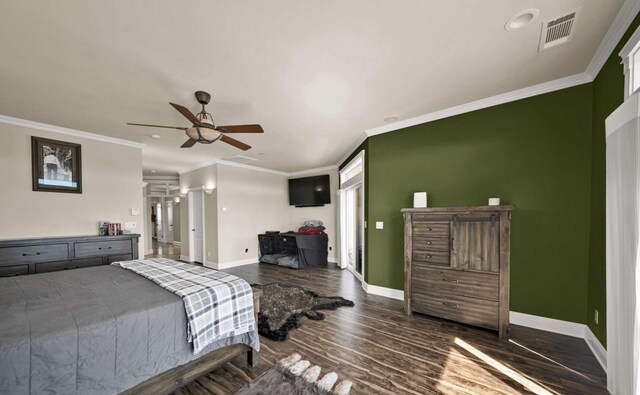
point(345, 186)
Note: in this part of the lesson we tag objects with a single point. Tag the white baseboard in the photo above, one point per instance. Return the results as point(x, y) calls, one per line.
point(149, 252)
point(547, 324)
point(176, 243)
point(596, 347)
point(332, 259)
point(383, 291)
point(229, 265)
point(184, 258)
point(564, 328)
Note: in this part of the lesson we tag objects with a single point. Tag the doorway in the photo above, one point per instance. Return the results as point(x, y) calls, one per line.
point(196, 226)
point(354, 230)
point(352, 218)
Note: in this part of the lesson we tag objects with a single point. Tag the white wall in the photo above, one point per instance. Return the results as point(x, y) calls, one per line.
point(328, 213)
point(255, 201)
point(111, 186)
point(204, 177)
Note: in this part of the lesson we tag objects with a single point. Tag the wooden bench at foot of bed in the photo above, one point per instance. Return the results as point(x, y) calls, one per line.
point(171, 380)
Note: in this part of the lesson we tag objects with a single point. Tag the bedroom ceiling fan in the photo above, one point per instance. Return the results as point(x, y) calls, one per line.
point(204, 130)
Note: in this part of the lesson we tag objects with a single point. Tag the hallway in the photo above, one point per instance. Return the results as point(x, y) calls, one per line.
point(165, 250)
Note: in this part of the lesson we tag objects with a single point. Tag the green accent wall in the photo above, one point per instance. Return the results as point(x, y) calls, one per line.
point(534, 153)
point(608, 94)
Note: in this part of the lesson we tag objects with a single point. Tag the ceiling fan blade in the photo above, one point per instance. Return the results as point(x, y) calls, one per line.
point(189, 143)
point(156, 126)
point(241, 129)
point(187, 114)
point(235, 143)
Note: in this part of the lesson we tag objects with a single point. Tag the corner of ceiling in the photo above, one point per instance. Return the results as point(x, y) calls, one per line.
point(619, 26)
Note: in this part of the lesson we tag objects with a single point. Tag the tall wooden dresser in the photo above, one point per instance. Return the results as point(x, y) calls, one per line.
point(456, 264)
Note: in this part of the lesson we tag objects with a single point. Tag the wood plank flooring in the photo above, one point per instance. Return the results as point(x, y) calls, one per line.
point(383, 352)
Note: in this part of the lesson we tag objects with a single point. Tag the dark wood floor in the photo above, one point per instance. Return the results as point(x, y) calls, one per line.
point(383, 352)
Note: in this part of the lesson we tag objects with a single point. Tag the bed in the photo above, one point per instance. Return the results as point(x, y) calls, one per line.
point(101, 330)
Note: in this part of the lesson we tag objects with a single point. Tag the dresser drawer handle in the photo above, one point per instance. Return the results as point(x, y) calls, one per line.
point(429, 257)
point(429, 243)
point(450, 281)
point(429, 229)
point(69, 268)
point(453, 305)
point(108, 248)
point(37, 253)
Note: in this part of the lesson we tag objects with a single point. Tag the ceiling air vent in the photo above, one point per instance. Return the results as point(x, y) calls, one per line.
point(240, 159)
point(557, 31)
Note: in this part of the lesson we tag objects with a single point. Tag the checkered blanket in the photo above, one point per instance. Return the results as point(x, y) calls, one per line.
point(218, 305)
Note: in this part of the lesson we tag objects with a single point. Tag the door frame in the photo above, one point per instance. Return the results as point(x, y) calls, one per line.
point(191, 221)
point(347, 185)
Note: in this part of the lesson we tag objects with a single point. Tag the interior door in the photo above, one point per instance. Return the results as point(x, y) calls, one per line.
point(159, 220)
point(196, 223)
point(169, 221)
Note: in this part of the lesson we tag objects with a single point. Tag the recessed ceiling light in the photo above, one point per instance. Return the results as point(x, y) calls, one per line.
point(153, 171)
point(521, 19)
point(154, 136)
point(391, 119)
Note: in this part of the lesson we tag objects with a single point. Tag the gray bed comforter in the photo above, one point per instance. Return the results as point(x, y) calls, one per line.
point(98, 330)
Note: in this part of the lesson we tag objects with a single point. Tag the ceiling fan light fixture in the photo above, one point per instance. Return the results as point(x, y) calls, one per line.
point(203, 135)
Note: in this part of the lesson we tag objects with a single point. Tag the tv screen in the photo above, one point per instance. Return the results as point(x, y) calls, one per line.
point(309, 191)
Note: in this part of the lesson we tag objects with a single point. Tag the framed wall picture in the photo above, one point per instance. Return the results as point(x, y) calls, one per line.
point(56, 166)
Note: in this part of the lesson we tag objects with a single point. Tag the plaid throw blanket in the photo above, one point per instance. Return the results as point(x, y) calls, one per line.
point(218, 305)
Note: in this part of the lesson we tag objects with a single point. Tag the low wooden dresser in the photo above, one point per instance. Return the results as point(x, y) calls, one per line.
point(41, 255)
point(456, 264)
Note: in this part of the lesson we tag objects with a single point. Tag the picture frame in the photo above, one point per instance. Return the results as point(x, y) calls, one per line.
point(56, 165)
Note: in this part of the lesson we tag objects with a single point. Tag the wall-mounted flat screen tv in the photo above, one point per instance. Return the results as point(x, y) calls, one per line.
point(309, 191)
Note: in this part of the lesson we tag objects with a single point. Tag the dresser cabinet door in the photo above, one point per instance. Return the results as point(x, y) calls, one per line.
point(475, 245)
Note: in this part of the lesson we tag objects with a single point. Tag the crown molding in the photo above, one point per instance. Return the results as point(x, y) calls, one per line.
point(70, 132)
point(316, 170)
point(361, 138)
point(518, 94)
point(256, 168)
point(621, 23)
point(234, 164)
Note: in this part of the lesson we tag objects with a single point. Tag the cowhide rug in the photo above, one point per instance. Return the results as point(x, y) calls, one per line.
point(292, 375)
point(282, 306)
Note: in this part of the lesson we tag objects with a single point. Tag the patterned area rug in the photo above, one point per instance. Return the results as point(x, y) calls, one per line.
point(282, 306)
point(293, 375)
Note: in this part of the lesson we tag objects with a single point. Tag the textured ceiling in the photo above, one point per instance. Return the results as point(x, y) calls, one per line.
point(314, 74)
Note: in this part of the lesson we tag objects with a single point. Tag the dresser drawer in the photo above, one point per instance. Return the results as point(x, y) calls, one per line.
point(33, 253)
point(430, 243)
point(431, 257)
point(454, 282)
point(432, 229)
point(479, 312)
point(67, 265)
point(13, 270)
point(107, 247)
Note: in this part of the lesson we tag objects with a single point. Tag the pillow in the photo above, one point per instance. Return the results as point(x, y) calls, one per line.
point(311, 230)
